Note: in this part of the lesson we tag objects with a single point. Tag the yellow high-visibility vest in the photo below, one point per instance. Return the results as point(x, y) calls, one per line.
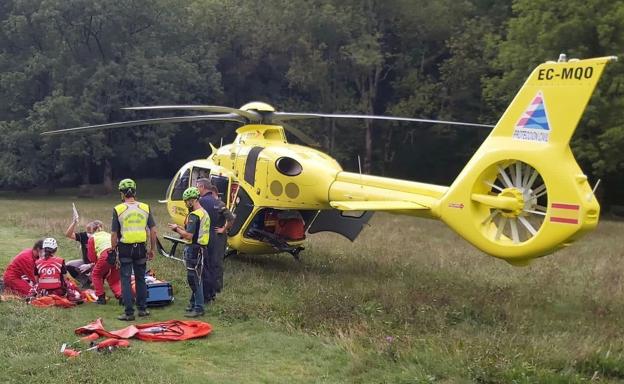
point(133, 222)
point(102, 242)
point(203, 237)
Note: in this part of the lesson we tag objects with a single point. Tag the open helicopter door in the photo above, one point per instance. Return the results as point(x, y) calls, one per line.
point(347, 224)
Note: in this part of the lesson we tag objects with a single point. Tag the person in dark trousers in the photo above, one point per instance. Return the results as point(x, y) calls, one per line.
point(221, 219)
point(132, 224)
point(80, 269)
point(197, 233)
point(224, 221)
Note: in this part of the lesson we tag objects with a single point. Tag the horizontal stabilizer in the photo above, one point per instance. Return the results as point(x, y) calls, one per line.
point(376, 205)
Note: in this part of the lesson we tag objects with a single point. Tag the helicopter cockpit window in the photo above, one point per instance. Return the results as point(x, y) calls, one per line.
point(199, 173)
point(181, 183)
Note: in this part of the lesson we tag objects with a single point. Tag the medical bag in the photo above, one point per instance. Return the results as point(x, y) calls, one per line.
point(159, 294)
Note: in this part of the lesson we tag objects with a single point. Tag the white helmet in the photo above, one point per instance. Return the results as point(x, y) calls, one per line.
point(50, 242)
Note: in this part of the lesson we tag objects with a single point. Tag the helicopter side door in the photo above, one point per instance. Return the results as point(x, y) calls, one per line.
point(185, 178)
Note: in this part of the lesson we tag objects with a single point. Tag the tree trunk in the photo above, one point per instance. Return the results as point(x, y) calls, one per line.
point(368, 158)
point(108, 177)
point(332, 137)
point(86, 167)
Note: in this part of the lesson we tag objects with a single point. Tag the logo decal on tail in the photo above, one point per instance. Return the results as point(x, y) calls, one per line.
point(533, 124)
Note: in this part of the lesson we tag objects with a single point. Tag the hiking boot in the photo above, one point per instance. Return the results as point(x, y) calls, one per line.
point(101, 300)
point(189, 308)
point(125, 317)
point(194, 313)
point(143, 312)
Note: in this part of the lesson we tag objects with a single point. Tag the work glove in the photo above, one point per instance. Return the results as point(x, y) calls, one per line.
point(84, 268)
point(112, 257)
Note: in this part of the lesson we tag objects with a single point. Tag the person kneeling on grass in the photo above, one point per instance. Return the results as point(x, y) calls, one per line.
point(98, 247)
point(50, 271)
point(197, 232)
point(19, 276)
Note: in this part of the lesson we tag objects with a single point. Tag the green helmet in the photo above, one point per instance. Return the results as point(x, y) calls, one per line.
point(126, 184)
point(190, 193)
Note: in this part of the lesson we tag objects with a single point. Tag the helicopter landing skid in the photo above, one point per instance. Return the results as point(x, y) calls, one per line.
point(295, 252)
point(174, 245)
point(278, 243)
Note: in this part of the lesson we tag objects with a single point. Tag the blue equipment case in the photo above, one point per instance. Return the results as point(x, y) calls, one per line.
point(159, 294)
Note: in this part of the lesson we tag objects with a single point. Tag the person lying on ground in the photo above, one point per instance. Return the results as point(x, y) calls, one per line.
point(19, 277)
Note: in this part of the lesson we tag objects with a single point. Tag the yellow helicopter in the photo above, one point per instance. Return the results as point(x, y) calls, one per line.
point(521, 196)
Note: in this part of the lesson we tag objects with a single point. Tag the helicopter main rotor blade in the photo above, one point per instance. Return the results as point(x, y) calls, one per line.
point(286, 116)
point(164, 120)
point(301, 135)
point(251, 116)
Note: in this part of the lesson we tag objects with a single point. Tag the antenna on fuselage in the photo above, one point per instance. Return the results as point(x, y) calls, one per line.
point(221, 143)
point(360, 168)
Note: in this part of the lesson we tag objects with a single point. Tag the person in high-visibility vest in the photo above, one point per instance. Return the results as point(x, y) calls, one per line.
point(98, 246)
point(197, 233)
point(132, 225)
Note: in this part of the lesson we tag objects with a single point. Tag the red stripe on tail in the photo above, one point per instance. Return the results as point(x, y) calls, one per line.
point(574, 207)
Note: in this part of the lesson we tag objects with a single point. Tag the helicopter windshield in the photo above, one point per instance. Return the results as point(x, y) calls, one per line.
point(180, 184)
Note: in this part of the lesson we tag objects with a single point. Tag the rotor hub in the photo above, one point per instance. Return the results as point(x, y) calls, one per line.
point(514, 193)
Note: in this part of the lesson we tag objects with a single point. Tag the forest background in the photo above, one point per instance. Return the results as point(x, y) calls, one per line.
point(66, 63)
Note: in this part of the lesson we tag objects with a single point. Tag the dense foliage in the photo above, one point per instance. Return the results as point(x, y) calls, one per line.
point(65, 63)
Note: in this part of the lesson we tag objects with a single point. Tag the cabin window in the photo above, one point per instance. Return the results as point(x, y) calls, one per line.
point(199, 173)
point(221, 182)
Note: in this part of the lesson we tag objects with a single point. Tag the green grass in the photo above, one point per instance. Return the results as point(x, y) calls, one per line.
point(408, 302)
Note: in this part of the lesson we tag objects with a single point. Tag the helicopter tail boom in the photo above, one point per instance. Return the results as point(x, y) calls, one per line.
point(523, 195)
point(357, 192)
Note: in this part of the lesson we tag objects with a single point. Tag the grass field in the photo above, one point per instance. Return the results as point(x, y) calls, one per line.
point(408, 302)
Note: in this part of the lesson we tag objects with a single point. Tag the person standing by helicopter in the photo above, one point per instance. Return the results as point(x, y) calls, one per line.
point(197, 232)
point(221, 226)
point(221, 220)
point(132, 220)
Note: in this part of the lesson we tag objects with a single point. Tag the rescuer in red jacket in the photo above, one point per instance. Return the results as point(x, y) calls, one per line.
point(19, 276)
point(97, 250)
point(50, 270)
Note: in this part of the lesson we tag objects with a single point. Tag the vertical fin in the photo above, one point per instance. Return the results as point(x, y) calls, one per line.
point(551, 102)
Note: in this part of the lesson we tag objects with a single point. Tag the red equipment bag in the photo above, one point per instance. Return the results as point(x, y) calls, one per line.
point(270, 220)
point(290, 229)
point(172, 330)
